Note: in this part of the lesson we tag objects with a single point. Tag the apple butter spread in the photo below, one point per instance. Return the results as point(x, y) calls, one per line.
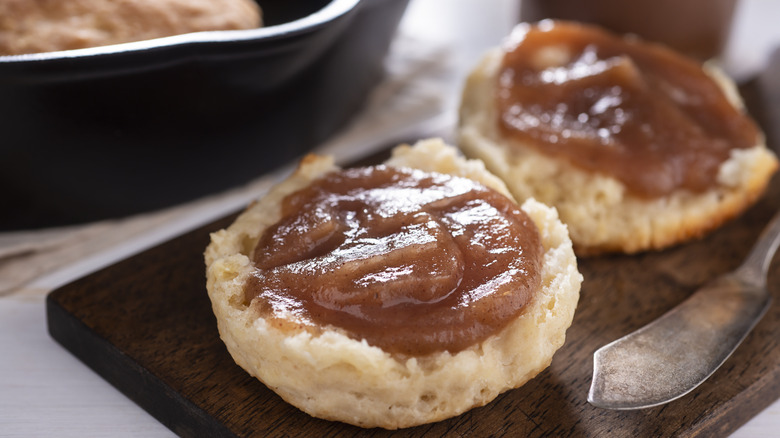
point(636, 111)
point(412, 262)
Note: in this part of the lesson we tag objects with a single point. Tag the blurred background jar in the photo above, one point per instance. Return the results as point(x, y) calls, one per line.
point(698, 28)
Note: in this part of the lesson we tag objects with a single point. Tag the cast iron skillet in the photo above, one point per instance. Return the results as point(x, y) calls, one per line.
point(110, 131)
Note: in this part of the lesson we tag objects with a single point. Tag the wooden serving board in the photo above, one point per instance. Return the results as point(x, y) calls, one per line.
point(146, 326)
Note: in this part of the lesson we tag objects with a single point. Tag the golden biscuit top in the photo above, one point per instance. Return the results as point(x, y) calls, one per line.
point(33, 26)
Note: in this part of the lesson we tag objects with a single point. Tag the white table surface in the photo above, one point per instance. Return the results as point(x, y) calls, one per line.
point(45, 391)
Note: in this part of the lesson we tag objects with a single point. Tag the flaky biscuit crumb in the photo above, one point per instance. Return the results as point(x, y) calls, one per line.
point(332, 376)
point(601, 215)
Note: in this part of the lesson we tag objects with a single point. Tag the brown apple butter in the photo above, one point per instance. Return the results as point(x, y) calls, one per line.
point(412, 262)
point(633, 110)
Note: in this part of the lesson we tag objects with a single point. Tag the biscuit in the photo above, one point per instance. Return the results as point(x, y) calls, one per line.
point(52, 25)
point(601, 214)
point(332, 376)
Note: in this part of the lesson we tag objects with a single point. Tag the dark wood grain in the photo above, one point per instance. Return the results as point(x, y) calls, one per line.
point(146, 326)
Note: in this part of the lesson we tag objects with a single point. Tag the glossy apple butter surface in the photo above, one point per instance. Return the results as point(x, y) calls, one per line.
point(632, 110)
point(412, 262)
